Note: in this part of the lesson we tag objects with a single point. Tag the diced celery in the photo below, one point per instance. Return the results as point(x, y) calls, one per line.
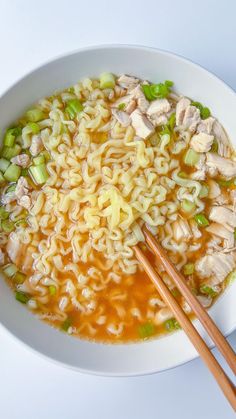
point(188, 269)
point(12, 173)
point(146, 330)
point(35, 115)
point(201, 220)
point(121, 106)
point(188, 206)
point(22, 297)
point(39, 173)
point(4, 164)
point(7, 226)
point(10, 270)
point(191, 158)
point(11, 188)
point(9, 152)
point(107, 81)
point(39, 160)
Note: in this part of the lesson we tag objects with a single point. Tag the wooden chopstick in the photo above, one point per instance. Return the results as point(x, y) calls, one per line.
point(222, 379)
point(179, 280)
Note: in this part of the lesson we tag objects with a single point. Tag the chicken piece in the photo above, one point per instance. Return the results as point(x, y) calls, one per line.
point(27, 263)
point(224, 146)
point(22, 160)
point(8, 198)
point(215, 267)
point(162, 315)
point(158, 107)
point(223, 216)
point(224, 166)
point(36, 145)
point(142, 102)
point(214, 189)
point(206, 125)
point(15, 249)
point(143, 127)
point(22, 187)
point(204, 300)
point(122, 117)
point(220, 231)
point(181, 230)
point(200, 173)
point(128, 82)
point(2, 257)
point(130, 107)
point(24, 202)
point(128, 102)
point(222, 199)
point(158, 120)
point(180, 110)
point(201, 142)
point(191, 118)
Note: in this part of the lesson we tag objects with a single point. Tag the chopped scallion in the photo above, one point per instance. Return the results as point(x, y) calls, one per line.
point(9, 138)
point(155, 91)
point(191, 158)
point(12, 173)
point(188, 206)
point(22, 297)
point(3, 214)
point(39, 173)
point(66, 324)
point(39, 160)
point(121, 106)
point(52, 290)
point(9, 152)
point(7, 226)
point(214, 147)
point(107, 81)
point(205, 289)
point(183, 175)
point(146, 330)
point(201, 220)
point(188, 269)
point(4, 164)
point(204, 111)
point(10, 270)
point(171, 325)
point(2, 180)
point(33, 127)
point(19, 278)
point(35, 115)
point(225, 183)
point(74, 106)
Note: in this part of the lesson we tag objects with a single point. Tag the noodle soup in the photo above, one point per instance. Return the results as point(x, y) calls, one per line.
point(81, 172)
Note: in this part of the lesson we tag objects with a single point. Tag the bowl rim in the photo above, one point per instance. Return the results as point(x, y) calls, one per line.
point(66, 55)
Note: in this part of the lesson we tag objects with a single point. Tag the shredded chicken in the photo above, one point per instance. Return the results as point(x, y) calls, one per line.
point(191, 118)
point(158, 107)
point(143, 127)
point(122, 117)
point(224, 147)
point(204, 300)
point(201, 142)
point(14, 248)
point(128, 102)
point(220, 231)
point(223, 216)
point(206, 125)
point(22, 160)
point(142, 102)
point(180, 110)
point(25, 202)
point(158, 120)
point(128, 82)
point(181, 230)
point(36, 145)
point(214, 189)
point(224, 166)
point(215, 267)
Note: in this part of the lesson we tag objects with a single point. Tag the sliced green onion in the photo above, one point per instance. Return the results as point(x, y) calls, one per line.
point(22, 297)
point(191, 158)
point(3, 213)
point(66, 324)
point(107, 81)
point(19, 278)
point(11, 188)
point(12, 173)
point(201, 220)
point(7, 226)
point(204, 111)
point(33, 127)
point(2, 180)
point(188, 206)
point(46, 155)
point(155, 91)
point(188, 269)
point(52, 290)
point(121, 106)
point(231, 278)
point(214, 147)
point(9, 152)
point(10, 270)
point(172, 121)
point(146, 330)
point(24, 172)
point(205, 289)
point(39, 160)
point(183, 175)
point(171, 325)
point(35, 115)
point(4, 164)
point(204, 191)
point(21, 223)
point(39, 173)
point(9, 138)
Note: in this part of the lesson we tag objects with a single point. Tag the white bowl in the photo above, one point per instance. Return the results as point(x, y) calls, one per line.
point(155, 65)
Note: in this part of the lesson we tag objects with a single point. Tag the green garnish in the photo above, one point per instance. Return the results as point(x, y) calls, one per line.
point(121, 106)
point(157, 91)
point(188, 206)
point(12, 173)
point(183, 175)
point(24, 172)
point(39, 173)
point(3, 213)
point(205, 289)
point(171, 325)
point(22, 297)
point(146, 330)
point(4, 164)
point(19, 278)
point(66, 324)
point(52, 290)
point(10, 270)
point(2, 180)
point(11, 135)
point(204, 191)
point(107, 81)
point(201, 220)
point(74, 106)
point(191, 158)
point(171, 121)
point(33, 127)
point(188, 269)
point(9, 152)
point(214, 147)
point(39, 160)
point(7, 226)
point(204, 111)
point(35, 115)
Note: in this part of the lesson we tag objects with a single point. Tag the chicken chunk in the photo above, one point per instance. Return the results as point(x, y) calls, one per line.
point(220, 231)
point(128, 82)
point(200, 173)
point(142, 102)
point(22, 187)
point(214, 189)
point(224, 166)
point(206, 125)
point(36, 145)
point(128, 102)
point(223, 216)
point(122, 117)
point(181, 230)
point(224, 146)
point(191, 118)
point(201, 142)
point(158, 107)
point(180, 110)
point(143, 127)
point(158, 120)
point(22, 160)
point(204, 300)
point(215, 267)
point(15, 249)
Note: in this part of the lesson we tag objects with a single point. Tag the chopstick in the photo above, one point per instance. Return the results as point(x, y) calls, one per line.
point(179, 280)
point(222, 379)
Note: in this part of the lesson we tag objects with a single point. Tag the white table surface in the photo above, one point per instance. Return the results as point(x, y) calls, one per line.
point(32, 32)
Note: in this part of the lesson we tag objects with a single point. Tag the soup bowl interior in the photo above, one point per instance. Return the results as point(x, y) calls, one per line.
point(191, 80)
